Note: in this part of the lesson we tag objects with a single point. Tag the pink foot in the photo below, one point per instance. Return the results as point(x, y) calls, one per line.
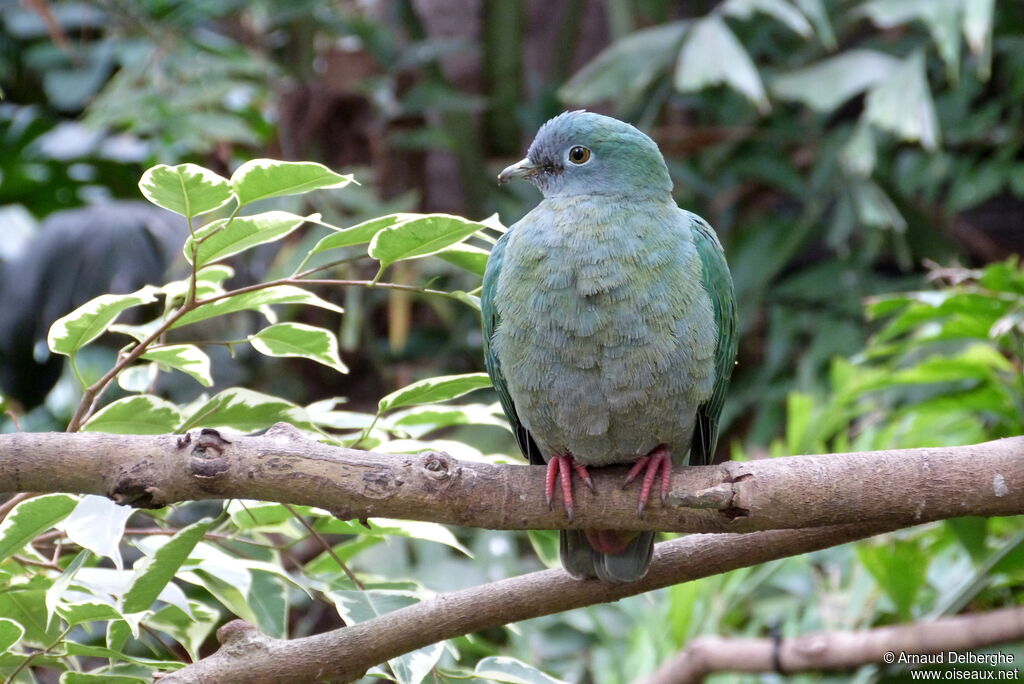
point(658, 459)
point(560, 468)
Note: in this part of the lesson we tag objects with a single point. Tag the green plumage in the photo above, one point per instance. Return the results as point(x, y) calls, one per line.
point(609, 318)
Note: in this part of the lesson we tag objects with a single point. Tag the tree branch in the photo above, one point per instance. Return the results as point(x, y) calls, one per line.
point(840, 650)
point(837, 497)
point(343, 655)
point(896, 488)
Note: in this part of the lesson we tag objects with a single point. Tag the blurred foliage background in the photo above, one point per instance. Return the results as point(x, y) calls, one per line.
point(860, 159)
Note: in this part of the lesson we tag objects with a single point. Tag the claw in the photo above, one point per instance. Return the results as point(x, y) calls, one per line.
point(560, 470)
point(658, 460)
point(581, 471)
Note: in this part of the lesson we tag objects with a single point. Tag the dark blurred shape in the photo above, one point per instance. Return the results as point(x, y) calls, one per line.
point(79, 254)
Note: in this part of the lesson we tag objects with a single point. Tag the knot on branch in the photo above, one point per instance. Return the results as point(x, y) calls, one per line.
point(208, 454)
point(135, 487)
point(237, 633)
point(129, 491)
point(437, 465)
point(285, 431)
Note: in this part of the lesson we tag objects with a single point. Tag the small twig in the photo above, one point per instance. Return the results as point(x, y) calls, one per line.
point(327, 547)
point(14, 419)
point(170, 651)
point(8, 505)
point(146, 531)
point(25, 663)
point(49, 565)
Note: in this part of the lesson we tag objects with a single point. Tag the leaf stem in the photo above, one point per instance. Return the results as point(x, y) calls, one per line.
point(24, 663)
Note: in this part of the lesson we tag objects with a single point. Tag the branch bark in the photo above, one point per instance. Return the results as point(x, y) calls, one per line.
point(343, 655)
point(841, 650)
point(772, 509)
point(896, 488)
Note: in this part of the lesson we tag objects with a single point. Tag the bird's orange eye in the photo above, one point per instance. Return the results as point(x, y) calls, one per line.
point(579, 155)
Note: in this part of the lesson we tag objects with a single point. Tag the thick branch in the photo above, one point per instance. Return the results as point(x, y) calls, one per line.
point(896, 488)
point(344, 654)
point(841, 650)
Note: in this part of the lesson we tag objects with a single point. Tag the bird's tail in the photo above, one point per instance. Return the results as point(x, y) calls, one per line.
point(613, 556)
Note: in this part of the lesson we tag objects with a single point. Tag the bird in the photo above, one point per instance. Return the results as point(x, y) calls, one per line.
point(609, 326)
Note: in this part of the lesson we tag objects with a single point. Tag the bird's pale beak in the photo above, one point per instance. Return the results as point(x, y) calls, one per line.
point(524, 168)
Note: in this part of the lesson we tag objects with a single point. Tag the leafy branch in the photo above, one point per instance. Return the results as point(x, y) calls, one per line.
point(191, 191)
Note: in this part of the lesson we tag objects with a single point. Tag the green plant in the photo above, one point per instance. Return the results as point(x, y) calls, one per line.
point(229, 557)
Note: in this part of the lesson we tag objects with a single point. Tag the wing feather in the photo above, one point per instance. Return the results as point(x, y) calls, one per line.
point(718, 283)
point(491, 321)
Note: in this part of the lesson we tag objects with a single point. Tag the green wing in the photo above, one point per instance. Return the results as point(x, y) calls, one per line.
point(490, 323)
point(718, 283)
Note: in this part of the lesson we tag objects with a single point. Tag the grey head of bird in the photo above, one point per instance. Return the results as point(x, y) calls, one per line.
point(582, 153)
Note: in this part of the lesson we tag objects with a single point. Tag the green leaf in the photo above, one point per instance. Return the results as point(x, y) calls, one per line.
point(420, 237)
point(900, 568)
point(73, 648)
point(873, 206)
point(545, 545)
point(10, 634)
point(469, 300)
point(142, 414)
point(829, 83)
point(100, 678)
point(359, 606)
point(977, 25)
point(188, 630)
point(268, 598)
point(97, 524)
point(902, 104)
point(469, 257)
point(278, 294)
point(61, 584)
point(413, 529)
point(432, 390)
point(185, 189)
point(299, 340)
point(429, 418)
point(858, 155)
point(137, 378)
point(260, 179)
point(231, 592)
point(83, 325)
point(187, 358)
point(513, 671)
point(226, 237)
point(31, 518)
point(27, 607)
point(154, 572)
point(246, 411)
point(942, 17)
point(87, 611)
point(624, 70)
point(971, 532)
point(712, 55)
point(816, 12)
point(118, 634)
point(360, 234)
point(779, 10)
